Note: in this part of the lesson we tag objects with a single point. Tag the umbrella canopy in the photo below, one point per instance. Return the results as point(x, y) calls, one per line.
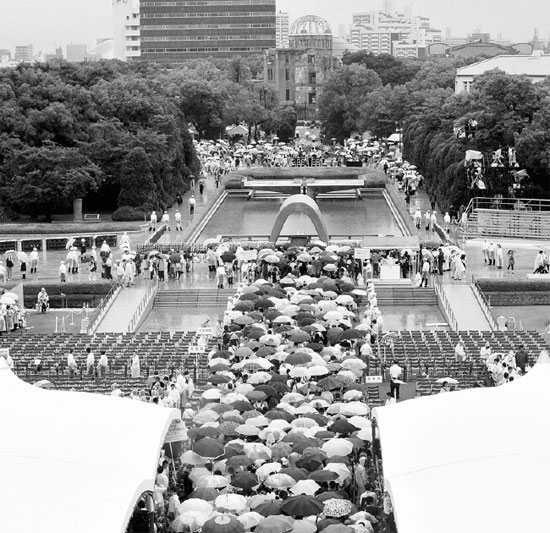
point(305, 486)
point(208, 447)
point(337, 508)
point(302, 505)
point(269, 508)
point(230, 502)
point(244, 480)
point(337, 447)
point(213, 482)
point(275, 524)
point(197, 505)
point(203, 493)
point(250, 520)
point(222, 524)
point(279, 481)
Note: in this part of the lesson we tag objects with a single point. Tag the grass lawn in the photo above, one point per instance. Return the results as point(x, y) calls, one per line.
point(77, 228)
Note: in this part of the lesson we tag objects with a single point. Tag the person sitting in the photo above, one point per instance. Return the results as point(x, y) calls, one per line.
point(42, 301)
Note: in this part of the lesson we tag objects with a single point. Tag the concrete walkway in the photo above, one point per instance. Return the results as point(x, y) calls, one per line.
point(118, 317)
point(467, 311)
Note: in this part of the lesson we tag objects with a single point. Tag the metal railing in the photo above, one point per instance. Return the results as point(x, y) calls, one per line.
point(484, 303)
point(101, 309)
point(151, 291)
point(511, 204)
point(444, 301)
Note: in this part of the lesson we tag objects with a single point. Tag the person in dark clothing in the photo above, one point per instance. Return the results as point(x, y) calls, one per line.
point(522, 359)
point(139, 523)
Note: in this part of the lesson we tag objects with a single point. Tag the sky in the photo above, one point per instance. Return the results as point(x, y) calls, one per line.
point(47, 23)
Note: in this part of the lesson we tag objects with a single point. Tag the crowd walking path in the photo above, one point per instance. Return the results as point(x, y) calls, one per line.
point(120, 314)
point(466, 308)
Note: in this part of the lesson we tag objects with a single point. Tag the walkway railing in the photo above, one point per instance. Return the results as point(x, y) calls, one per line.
point(142, 306)
point(484, 303)
point(444, 301)
point(102, 309)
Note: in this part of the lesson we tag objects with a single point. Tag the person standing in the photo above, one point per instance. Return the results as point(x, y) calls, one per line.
point(166, 220)
point(485, 251)
point(491, 253)
point(153, 221)
point(192, 202)
point(220, 275)
point(71, 363)
point(511, 260)
point(177, 218)
point(460, 266)
point(23, 270)
point(90, 361)
point(418, 218)
point(433, 221)
point(34, 260)
point(395, 374)
point(135, 368)
point(9, 267)
point(427, 217)
point(103, 365)
point(426, 267)
point(499, 257)
point(447, 221)
point(63, 272)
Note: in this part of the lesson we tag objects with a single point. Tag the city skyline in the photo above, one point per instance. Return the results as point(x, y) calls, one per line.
point(84, 21)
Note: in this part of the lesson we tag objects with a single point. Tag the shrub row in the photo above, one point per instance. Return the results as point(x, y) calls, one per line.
point(505, 285)
point(127, 213)
point(100, 287)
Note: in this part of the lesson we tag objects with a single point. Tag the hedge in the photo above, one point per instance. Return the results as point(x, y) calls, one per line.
point(127, 213)
point(506, 285)
point(76, 294)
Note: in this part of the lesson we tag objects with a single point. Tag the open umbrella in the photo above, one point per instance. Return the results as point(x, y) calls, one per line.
point(189, 521)
point(208, 447)
point(203, 493)
point(305, 486)
point(275, 524)
point(23, 257)
point(323, 476)
point(337, 508)
point(213, 482)
point(222, 524)
point(228, 257)
point(302, 505)
point(337, 447)
point(234, 503)
point(197, 505)
point(244, 480)
point(250, 520)
point(279, 481)
point(269, 508)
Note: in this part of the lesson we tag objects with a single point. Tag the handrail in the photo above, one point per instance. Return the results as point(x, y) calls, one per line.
point(151, 290)
point(442, 297)
point(513, 204)
point(101, 309)
point(484, 303)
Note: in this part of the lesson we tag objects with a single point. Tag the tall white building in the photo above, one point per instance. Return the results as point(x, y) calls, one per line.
point(282, 25)
point(126, 29)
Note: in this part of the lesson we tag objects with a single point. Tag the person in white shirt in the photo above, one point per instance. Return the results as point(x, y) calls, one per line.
point(192, 203)
point(177, 218)
point(115, 390)
point(395, 374)
point(125, 241)
point(103, 365)
point(418, 218)
point(460, 352)
point(135, 367)
point(485, 352)
point(153, 221)
point(63, 272)
point(33, 256)
point(447, 221)
point(71, 363)
point(90, 361)
point(166, 220)
point(220, 275)
point(433, 221)
point(2, 273)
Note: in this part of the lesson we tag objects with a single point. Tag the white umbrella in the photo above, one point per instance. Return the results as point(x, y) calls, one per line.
point(337, 447)
point(305, 486)
point(230, 502)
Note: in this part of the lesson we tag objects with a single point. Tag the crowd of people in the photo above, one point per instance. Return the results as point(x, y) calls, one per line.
point(12, 313)
point(284, 431)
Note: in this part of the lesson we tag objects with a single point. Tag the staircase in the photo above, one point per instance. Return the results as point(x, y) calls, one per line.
point(403, 295)
point(192, 298)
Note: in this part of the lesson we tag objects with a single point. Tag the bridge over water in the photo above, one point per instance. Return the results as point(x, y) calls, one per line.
point(310, 181)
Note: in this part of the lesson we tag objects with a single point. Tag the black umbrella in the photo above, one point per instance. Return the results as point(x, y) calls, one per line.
point(228, 257)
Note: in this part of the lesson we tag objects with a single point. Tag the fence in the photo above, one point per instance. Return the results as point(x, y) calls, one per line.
point(484, 303)
point(444, 302)
point(101, 309)
point(142, 306)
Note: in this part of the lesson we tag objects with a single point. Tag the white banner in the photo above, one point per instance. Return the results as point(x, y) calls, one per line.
point(362, 253)
point(176, 432)
point(248, 255)
point(195, 349)
point(373, 379)
point(205, 331)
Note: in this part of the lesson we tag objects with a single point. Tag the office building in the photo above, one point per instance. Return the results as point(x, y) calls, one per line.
point(174, 31)
point(77, 53)
point(282, 29)
point(126, 28)
point(24, 53)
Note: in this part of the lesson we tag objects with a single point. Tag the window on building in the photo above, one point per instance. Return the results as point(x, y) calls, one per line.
point(269, 74)
point(287, 95)
point(312, 78)
point(312, 98)
point(287, 74)
point(311, 59)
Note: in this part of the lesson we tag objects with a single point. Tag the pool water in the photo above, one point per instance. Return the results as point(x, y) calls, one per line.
point(238, 216)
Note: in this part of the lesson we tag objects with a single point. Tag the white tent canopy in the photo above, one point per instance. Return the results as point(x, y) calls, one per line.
point(73, 461)
point(476, 460)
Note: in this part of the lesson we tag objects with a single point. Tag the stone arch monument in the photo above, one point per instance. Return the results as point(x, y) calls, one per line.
point(299, 203)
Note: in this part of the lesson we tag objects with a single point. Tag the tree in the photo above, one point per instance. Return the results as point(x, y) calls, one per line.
point(136, 180)
point(345, 91)
point(40, 180)
point(392, 71)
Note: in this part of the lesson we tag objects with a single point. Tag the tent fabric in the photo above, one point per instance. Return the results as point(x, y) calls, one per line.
point(72, 461)
point(477, 460)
